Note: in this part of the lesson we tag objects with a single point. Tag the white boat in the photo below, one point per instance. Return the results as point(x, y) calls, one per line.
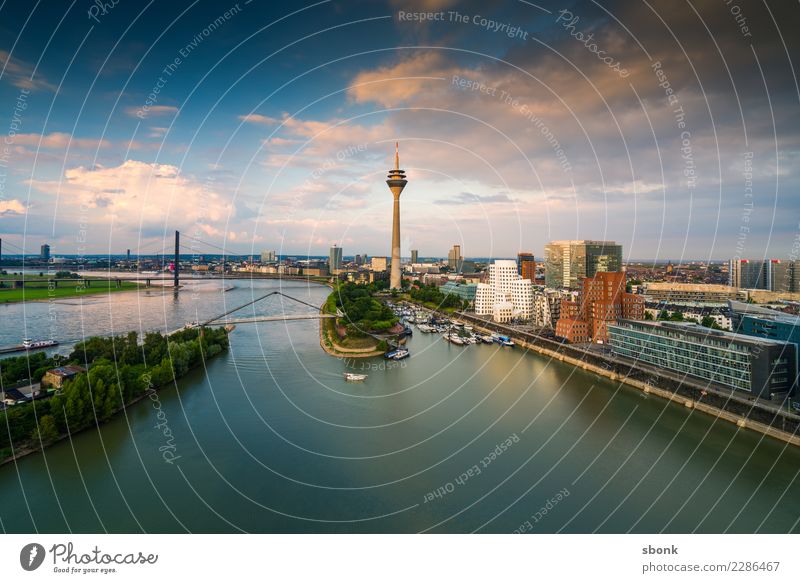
point(351, 376)
point(485, 339)
point(454, 339)
point(28, 343)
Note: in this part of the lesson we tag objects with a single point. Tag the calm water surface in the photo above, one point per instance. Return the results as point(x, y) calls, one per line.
point(271, 439)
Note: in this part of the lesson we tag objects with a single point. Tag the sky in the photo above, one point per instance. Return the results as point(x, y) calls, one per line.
point(670, 127)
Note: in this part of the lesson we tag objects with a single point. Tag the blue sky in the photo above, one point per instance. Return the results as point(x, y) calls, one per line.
point(261, 125)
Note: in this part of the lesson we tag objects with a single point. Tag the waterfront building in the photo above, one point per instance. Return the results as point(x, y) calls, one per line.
point(56, 377)
point(396, 182)
point(546, 307)
point(568, 262)
point(268, 257)
point(691, 292)
point(44, 252)
point(601, 301)
point(484, 299)
point(503, 312)
point(507, 288)
point(526, 266)
point(454, 259)
point(335, 259)
point(414, 256)
point(574, 330)
point(759, 366)
point(522, 299)
point(465, 291)
point(379, 264)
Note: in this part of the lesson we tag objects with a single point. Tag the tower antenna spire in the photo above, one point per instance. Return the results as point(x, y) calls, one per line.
point(397, 155)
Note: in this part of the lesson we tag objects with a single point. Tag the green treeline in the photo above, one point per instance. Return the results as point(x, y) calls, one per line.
point(362, 312)
point(119, 371)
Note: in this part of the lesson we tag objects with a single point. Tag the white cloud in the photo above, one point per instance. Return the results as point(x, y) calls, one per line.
point(137, 193)
point(11, 207)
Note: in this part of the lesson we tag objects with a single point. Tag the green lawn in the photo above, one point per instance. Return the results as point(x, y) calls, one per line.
point(40, 291)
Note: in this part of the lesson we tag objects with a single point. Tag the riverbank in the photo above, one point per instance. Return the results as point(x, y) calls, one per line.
point(745, 414)
point(327, 340)
point(109, 386)
point(44, 294)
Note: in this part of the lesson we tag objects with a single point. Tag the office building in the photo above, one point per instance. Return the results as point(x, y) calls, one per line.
point(754, 320)
point(749, 273)
point(784, 276)
point(484, 299)
point(522, 299)
point(526, 266)
point(454, 259)
point(335, 259)
point(465, 291)
point(758, 366)
point(44, 253)
point(568, 262)
point(268, 257)
point(506, 297)
point(396, 182)
point(379, 264)
point(601, 301)
point(414, 256)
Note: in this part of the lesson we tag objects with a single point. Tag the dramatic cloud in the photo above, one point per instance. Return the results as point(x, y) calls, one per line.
point(138, 194)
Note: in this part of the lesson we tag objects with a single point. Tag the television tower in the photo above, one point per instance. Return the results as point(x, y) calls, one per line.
point(397, 182)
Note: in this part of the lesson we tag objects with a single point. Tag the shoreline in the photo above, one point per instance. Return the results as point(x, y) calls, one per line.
point(161, 289)
point(26, 449)
point(690, 402)
point(338, 351)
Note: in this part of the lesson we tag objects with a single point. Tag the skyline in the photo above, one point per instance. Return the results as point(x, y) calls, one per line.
point(251, 134)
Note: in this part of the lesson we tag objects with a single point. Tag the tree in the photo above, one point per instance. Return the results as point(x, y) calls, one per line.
point(45, 432)
point(648, 316)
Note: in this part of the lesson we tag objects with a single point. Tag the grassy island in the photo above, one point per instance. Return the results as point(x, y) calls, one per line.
point(361, 321)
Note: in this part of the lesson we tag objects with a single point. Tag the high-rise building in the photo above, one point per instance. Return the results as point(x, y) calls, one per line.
point(414, 256)
point(455, 260)
point(335, 259)
point(396, 182)
point(268, 256)
point(526, 266)
point(750, 273)
point(44, 253)
point(568, 262)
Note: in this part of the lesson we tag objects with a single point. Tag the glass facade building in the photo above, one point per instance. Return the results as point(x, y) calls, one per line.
point(761, 367)
point(466, 291)
point(568, 262)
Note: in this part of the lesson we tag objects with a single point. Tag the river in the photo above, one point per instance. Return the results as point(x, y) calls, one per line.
point(270, 438)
